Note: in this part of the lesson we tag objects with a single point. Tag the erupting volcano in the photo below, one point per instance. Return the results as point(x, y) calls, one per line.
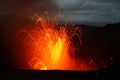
point(50, 46)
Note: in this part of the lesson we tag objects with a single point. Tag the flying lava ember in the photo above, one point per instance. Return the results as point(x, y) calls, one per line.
point(50, 46)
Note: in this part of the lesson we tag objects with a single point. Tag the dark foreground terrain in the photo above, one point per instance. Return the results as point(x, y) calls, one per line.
point(111, 73)
point(100, 43)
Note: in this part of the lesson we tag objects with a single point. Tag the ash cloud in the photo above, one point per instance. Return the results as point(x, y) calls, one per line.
point(21, 6)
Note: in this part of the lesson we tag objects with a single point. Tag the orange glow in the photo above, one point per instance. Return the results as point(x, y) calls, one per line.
point(40, 66)
point(49, 46)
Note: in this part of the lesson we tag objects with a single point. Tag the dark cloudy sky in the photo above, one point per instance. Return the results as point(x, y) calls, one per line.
point(91, 10)
point(23, 6)
point(77, 10)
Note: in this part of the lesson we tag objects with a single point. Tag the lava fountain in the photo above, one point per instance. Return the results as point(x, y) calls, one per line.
point(50, 45)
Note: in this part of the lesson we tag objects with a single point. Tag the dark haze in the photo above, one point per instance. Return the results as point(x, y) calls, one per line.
point(22, 7)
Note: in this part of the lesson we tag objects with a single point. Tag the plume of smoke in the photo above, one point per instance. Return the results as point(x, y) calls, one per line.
point(21, 7)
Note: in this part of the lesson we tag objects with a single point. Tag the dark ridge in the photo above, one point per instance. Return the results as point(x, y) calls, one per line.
point(107, 74)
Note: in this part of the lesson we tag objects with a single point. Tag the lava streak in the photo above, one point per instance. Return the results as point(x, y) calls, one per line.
point(49, 45)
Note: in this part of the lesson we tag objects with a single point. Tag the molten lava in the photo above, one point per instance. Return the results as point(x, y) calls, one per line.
point(49, 46)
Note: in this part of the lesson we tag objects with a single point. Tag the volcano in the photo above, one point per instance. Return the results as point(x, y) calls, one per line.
point(97, 49)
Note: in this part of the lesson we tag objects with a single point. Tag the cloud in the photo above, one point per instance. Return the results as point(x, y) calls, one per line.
point(95, 10)
point(20, 6)
point(92, 10)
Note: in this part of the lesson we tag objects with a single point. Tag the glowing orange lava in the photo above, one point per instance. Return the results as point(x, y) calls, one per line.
point(50, 46)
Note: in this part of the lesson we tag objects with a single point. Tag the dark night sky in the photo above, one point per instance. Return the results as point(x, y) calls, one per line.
point(19, 7)
point(78, 10)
